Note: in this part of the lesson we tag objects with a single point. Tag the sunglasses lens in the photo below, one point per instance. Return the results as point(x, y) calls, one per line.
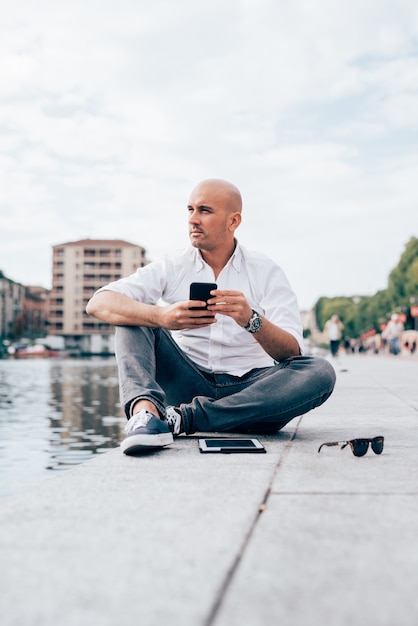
point(359, 446)
point(377, 445)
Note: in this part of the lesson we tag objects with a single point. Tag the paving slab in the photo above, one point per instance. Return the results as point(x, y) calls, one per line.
point(289, 537)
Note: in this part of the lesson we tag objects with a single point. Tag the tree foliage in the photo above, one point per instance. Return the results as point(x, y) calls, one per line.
point(361, 314)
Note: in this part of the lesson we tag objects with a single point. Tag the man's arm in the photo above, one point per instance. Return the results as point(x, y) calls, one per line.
point(116, 308)
point(278, 343)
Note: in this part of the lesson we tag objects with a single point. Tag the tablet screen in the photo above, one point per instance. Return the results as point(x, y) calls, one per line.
point(230, 443)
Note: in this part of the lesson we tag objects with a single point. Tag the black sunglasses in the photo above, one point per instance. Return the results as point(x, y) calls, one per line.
point(359, 447)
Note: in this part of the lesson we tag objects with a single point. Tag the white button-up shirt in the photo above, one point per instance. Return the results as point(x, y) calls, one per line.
point(222, 347)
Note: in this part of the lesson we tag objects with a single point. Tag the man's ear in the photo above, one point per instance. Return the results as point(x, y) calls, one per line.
point(235, 220)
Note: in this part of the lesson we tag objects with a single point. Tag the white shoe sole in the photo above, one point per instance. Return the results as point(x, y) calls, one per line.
point(138, 443)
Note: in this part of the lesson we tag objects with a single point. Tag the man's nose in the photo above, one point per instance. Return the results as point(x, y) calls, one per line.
point(193, 217)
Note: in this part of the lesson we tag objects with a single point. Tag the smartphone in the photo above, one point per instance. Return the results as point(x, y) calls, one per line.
point(230, 445)
point(201, 291)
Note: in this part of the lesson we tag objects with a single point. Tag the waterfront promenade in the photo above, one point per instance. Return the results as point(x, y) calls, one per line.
point(292, 537)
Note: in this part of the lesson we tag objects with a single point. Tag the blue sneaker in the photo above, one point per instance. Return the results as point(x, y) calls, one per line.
point(145, 432)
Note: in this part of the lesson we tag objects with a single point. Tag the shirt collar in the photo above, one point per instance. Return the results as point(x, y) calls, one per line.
point(236, 258)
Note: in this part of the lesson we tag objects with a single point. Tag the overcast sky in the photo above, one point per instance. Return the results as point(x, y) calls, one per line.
point(112, 111)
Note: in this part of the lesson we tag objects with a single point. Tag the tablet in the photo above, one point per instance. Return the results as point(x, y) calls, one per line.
point(230, 445)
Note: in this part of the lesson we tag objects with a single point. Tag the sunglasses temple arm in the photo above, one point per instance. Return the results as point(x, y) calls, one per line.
point(329, 443)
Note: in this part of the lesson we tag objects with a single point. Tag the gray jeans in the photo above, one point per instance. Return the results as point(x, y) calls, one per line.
point(153, 367)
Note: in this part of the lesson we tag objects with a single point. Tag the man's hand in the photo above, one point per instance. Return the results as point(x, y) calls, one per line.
point(231, 303)
point(180, 315)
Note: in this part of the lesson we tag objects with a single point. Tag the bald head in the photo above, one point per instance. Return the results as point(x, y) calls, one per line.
point(222, 191)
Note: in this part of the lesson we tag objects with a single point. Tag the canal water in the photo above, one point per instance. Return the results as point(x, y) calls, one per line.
point(54, 414)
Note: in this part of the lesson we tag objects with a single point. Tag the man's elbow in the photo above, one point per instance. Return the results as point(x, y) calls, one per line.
point(92, 307)
point(102, 306)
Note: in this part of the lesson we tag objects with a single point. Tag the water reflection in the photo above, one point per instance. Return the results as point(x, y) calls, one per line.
point(55, 413)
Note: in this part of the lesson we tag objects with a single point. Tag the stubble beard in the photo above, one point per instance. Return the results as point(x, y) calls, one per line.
point(196, 242)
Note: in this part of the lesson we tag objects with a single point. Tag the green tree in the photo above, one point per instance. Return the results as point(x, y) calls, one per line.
point(403, 279)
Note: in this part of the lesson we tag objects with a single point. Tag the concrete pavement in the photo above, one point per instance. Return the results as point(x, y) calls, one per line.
point(291, 537)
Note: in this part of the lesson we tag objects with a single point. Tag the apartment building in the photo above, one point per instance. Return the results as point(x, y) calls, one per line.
point(12, 296)
point(23, 312)
point(79, 268)
point(35, 312)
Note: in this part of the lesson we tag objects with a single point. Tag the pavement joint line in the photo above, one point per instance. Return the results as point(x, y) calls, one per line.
point(232, 570)
point(223, 590)
point(344, 493)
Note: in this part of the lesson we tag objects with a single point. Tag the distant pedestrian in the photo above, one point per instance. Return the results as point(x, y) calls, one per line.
point(347, 345)
point(333, 329)
point(393, 333)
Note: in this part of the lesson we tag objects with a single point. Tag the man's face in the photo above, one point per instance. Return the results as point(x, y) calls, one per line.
point(211, 221)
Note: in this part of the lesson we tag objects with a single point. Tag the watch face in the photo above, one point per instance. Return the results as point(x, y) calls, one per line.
point(255, 324)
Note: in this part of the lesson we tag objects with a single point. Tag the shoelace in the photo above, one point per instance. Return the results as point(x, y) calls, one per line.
point(139, 419)
point(174, 420)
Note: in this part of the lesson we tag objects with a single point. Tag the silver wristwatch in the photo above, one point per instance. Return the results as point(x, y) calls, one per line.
point(254, 323)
